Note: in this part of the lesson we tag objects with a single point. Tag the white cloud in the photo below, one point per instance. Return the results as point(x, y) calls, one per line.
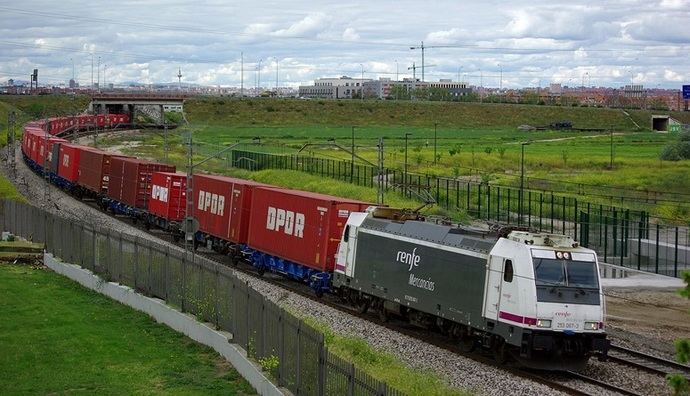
point(670, 75)
point(308, 26)
point(350, 34)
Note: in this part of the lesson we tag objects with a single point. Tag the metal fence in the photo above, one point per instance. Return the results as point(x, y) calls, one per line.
point(292, 352)
point(620, 236)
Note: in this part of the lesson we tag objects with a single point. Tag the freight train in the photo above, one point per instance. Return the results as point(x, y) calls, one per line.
point(532, 297)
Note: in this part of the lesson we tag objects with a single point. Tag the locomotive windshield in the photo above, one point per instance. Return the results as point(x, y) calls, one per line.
point(566, 281)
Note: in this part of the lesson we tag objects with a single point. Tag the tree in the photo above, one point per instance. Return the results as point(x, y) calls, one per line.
point(678, 383)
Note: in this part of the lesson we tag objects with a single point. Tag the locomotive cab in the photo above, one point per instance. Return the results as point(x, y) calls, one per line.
point(543, 296)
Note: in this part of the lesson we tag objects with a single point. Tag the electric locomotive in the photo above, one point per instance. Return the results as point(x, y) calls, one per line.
point(532, 297)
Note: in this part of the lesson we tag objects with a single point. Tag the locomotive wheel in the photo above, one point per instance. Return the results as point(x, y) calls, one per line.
point(467, 343)
point(383, 314)
point(319, 293)
point(235, 259)
point(363, 306)
point(261, 271)
point(499, 352)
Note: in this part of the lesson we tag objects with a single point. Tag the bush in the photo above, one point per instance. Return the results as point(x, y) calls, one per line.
point(670, 153)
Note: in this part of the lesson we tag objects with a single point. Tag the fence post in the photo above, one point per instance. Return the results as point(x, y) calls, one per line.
point(351, 381)
point(321, 389)
point(675, 256)
point(298, 378)
point(639, 243)
point(656, 270)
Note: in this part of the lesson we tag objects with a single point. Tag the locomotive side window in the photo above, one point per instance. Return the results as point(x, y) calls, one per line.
point(347, 233)
point(508, 271)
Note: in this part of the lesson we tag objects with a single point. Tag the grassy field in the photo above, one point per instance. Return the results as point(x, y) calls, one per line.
point(477, 140)
point(59, 338)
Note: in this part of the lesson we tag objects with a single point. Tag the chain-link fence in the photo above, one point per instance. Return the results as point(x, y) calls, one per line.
point(620, 236)
point(290, 350)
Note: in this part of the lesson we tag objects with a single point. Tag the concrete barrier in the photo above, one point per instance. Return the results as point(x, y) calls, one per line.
point(203, 333)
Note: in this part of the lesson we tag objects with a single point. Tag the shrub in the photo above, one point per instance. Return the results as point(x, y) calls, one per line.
point(670, 153)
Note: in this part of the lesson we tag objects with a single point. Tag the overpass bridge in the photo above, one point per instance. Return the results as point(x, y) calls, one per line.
point(133, 103)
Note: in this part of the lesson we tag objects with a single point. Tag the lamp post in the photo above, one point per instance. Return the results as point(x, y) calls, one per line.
point(522, 178)
point(352, 164)
point(361, 84)
point(435, 146)
point(406, 135)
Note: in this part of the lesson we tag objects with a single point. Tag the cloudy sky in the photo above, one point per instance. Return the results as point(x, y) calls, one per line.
point(510, 44)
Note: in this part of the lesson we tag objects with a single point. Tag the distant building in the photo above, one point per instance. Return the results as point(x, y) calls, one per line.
point(333, 88)
point(10, 83)
point(633, 91)
point(456, 89)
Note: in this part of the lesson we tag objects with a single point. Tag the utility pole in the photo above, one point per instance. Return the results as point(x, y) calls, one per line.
point(522, 179)
point(435, 128)
point(165, 134)
point(397, 80)
point(241, 75)
point(98, 75)
point(179, 79)
point(382, 176)
point(352, 164)
point(361, 84)
point(10, 143)
point(406, 135)
point(258, 83)
point(611, 134)
point(92, 71)
point(276, 76)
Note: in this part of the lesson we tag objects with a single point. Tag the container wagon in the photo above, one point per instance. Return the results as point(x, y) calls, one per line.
point(222, 205)
point(68, 167)
point(168, 202)
point(94, 172)
point(129, 185)
point(296, 233)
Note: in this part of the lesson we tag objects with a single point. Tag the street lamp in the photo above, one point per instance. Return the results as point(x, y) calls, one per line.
point(406, 135)
point(258, 78)
point(361, 84)
point(522, 177)
point(352, 164)
point(435, 128)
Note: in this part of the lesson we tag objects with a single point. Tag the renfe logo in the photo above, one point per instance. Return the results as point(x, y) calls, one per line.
point(214, 203)
point(160, 193)
point(411, 259)
point(292, 223)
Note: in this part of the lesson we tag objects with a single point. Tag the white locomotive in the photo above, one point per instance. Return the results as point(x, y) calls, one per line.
point(530, 296)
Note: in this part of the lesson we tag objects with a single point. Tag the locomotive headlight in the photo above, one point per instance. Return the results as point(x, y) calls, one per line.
point(591, 325)
point(545, 323)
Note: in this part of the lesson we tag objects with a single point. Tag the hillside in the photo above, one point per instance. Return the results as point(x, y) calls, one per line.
point(292, 112)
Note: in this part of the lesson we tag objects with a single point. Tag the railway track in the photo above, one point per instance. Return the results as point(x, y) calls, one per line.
point(562, 383)
point(646, 362)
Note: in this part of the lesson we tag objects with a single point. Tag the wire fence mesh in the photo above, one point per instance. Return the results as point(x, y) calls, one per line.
point(630, 238)
point(293, 353)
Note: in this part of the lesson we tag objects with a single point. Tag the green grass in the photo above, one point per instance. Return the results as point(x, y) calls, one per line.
point(9, 191)
point(383, 366)
point(59, 338)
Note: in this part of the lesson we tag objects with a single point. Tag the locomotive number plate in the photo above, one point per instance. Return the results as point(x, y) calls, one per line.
point(567, 326)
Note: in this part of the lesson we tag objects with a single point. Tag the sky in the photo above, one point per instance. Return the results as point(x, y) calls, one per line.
point(491, 43)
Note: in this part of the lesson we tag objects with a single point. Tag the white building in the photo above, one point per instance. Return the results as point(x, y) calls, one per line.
point(333, 88)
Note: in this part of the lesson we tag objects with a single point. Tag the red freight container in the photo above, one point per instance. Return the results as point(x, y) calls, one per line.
point(168, 195)
point(34, 137)
point(299, 226)
point(130, 180)
point(94, 169)
point(68, 167)
point(221, 204)
point(54, 153)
